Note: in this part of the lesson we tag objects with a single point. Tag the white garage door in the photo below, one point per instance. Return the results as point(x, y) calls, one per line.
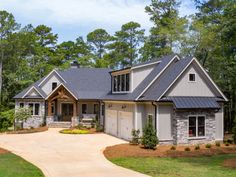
point(111, 122)
point(125, 124)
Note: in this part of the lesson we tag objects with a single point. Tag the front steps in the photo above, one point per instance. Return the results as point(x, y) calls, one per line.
point(59, 124)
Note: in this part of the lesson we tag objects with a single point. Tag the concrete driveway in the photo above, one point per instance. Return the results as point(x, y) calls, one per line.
point(60, 155)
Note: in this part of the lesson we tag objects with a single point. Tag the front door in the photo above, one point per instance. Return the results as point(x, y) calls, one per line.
point(66, 111)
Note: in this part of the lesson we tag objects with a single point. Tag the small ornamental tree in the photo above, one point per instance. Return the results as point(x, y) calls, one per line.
point(149, 139)
point(135, 137)
point(22, 114)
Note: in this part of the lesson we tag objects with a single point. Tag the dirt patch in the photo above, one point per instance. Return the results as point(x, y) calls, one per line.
point(3, 151)
point(230, 163)
point(25, 131)
point(127, 150)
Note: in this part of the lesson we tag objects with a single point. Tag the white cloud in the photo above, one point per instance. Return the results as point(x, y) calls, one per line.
point(79, 17)
point(80, 12)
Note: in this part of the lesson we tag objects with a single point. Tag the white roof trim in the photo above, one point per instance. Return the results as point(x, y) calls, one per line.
point(33, 87)
point(176, 56)
point(61, 84)
point(176, 79)
point(194, 59)
point(148, 64)
point(217, 88)
point(51, 74)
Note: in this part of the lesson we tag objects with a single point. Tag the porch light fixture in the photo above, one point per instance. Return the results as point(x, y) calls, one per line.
point(110, 105)
point(123, 106)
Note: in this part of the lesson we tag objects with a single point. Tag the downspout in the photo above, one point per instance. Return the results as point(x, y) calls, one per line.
point(45, 116)
point(155, 117)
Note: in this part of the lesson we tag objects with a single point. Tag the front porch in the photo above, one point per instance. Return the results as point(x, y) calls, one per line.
point(64, 109)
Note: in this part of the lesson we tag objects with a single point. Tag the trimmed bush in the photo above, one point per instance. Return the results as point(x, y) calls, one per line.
point(208, 146)
point(173, 148)
point(187, 149)
point(217, 143)
point(135, 137)
point(234, 131)
point(149, 139)
point(197, 147)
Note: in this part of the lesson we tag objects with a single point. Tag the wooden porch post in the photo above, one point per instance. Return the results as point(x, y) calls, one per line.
point(49, 108)
point(74, 109)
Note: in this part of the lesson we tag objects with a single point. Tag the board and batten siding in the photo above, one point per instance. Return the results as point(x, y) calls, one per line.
point(219, 118)
point(139, 74)
point(164, 122)
point(183, 87)
point(47, 85)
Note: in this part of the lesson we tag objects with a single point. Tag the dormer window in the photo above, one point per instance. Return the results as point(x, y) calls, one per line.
point(120, 83)
point(54, 85)
point(192, 77)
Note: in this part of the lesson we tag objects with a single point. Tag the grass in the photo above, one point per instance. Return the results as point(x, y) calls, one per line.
point(176, 167)
point(12, 165)
point(74, 131)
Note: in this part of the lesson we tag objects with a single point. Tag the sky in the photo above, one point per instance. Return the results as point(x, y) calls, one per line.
point(73, 18)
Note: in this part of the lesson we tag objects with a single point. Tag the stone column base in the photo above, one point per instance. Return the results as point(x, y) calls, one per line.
point(49, 119)
point(74, 121)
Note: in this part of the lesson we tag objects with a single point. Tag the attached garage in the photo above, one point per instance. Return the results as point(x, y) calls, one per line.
point(119, 120)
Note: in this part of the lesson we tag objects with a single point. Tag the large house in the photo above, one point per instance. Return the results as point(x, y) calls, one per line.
point(186, 106)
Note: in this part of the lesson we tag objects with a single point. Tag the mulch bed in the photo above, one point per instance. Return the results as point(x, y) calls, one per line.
point(230, 163)
point(25, 131)
point(127, 150)
point(3, 151)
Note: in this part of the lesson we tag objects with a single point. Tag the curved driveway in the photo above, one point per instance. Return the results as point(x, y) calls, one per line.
point(60, 155)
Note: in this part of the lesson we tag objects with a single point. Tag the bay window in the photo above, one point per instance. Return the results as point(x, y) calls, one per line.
point(196, 126)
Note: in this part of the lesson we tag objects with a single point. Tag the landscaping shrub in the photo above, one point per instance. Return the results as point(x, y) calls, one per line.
point(217, 143)
point(135, 137)
point(6, 119)
point(197, 147)
point(230, 141)
point(208, 146)
point(226, 144)
point(99, 127)
point(173, 148)
point(187, 149)
point(149, 139)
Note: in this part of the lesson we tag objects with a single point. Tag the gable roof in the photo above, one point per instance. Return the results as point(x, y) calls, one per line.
point(164, 83)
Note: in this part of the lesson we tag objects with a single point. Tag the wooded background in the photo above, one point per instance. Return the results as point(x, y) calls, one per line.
point(28, 53)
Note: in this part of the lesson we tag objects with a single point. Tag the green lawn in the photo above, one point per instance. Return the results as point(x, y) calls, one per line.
point(12, 165)
point(179, 167)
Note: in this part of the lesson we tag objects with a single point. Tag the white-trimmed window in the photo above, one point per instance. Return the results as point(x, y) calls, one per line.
point(196, 126)
point(192, 77)
point(54, 85)
point(35, 108)
point(22, 105)
point(120, 83)
point(84, 108)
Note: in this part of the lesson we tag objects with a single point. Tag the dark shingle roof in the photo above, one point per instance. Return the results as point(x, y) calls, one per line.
point(162, 83)
point(87, 83)
point(182, 102)
point(22, 93)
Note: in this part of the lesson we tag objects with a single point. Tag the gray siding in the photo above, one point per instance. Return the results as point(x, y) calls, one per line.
point(164, 122)
point(139, 75)
point(47, 85)
point(185, 88)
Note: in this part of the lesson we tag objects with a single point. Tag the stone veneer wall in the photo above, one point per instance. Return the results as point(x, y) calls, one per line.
point(180, 126)
point(34, 121)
